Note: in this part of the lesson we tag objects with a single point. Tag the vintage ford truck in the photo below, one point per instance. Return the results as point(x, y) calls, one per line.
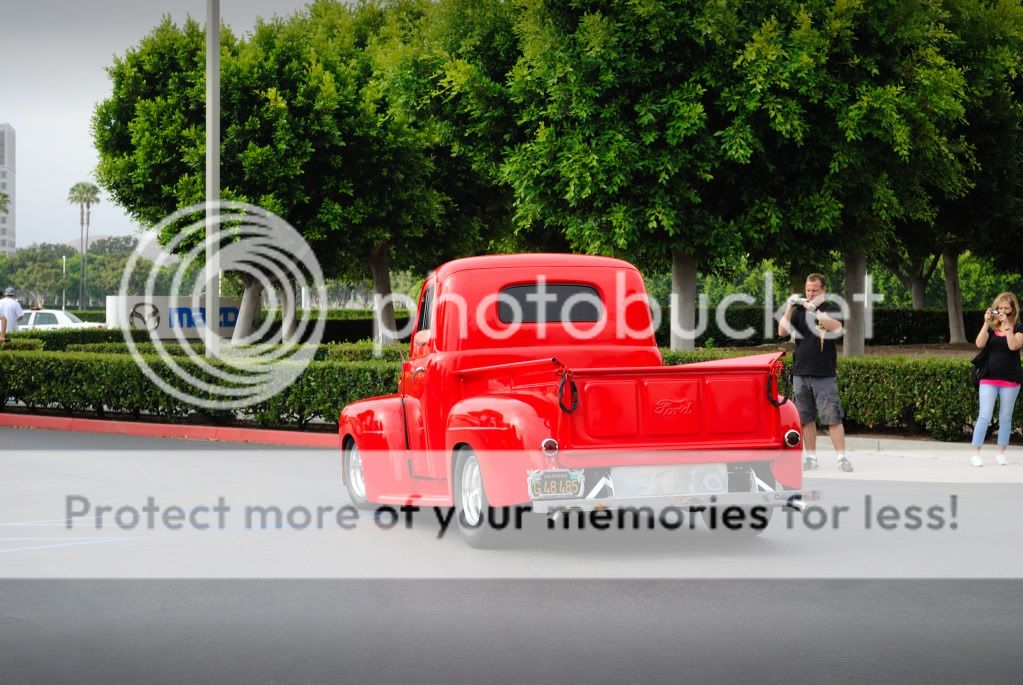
point(535, 379)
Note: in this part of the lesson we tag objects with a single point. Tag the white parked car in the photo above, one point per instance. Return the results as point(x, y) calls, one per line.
point(48, 319)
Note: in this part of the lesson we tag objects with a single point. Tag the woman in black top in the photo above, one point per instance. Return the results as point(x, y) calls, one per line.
point(1002, 337)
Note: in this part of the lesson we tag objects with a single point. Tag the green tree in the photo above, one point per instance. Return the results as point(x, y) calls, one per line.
point(307, 132)
point(115, 245)
point(653, 130)
point(988, 220)
point(447, 75)
point(85, 195)
point(37, 272)
point(882, 120)
point(982, 280)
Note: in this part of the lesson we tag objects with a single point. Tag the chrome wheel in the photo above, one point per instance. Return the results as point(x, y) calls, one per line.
point(472, 492)
point(356, 478)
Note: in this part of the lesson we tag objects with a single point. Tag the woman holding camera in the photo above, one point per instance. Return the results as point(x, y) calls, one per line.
point(1002, 337)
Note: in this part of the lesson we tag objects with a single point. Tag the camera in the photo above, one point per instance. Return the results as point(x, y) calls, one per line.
point(799, 301)
point(993, 313)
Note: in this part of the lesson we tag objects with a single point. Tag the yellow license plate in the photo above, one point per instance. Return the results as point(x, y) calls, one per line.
point(556, 484)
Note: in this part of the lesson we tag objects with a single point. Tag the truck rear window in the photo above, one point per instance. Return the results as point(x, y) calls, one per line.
point(554, 301)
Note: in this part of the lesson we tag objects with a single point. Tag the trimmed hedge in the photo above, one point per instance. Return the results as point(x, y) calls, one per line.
point(364, 351)
point(344, 314)
point(13, 344)
point(927, 394)
point(172, 348)
point(58, 339)
point(100, 315)
point(334, 331)
point(77, 383)
point(340, 352)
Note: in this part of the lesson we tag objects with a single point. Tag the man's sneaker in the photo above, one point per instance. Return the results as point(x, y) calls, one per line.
point(975, 460)
point(845, 465)
point(1002, 461)
point(809, 463)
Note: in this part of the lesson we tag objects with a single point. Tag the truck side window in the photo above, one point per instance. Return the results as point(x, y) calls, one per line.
point(424, 317)
point(424, 320)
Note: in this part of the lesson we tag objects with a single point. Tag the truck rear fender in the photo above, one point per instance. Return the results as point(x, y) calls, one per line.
point(505, 433)
point(377, 426)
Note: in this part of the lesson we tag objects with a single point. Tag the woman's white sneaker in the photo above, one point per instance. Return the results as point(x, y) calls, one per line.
point(975, 460)
point(1002, 461)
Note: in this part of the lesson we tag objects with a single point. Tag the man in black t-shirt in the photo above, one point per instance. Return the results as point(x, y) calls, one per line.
point(815, 368)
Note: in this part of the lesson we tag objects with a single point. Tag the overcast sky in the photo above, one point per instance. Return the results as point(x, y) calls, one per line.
point(52, 59)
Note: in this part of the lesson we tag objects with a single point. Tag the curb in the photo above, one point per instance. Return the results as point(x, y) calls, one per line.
point(257, 436)
point(883, 444)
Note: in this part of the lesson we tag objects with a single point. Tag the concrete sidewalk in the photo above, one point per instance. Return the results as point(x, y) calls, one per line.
point(919, 461)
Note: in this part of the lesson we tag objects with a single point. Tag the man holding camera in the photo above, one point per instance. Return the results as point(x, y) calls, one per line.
point(815, 368)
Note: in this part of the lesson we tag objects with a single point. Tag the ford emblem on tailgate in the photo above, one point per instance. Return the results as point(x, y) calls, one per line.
point(673, 407)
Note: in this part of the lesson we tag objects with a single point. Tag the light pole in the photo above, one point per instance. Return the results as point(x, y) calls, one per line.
point(63, 282)
point(211, 333)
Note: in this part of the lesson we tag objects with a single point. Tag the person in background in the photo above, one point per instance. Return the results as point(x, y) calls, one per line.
point(1002, 337)
point(815, 368)
point(10, 312)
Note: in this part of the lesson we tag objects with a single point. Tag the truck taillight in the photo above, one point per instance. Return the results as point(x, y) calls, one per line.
point(549, 447)
point(792, 437)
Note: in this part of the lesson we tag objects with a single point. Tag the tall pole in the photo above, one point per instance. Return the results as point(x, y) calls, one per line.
point(81, 255)
point(211, 276)
point(63, 278)
point(85, 257)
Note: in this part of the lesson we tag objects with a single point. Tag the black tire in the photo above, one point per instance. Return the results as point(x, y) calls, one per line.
point(354, 476)
point(472, 508)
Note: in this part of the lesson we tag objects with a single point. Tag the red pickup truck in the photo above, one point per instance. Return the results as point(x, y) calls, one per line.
point(535, 380)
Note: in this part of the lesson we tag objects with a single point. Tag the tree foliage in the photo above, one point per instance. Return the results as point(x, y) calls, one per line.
point(395, 134)
point(641, 137)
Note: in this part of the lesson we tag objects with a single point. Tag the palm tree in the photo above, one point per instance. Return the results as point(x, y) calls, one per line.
point(85, 195)
point(4, 200)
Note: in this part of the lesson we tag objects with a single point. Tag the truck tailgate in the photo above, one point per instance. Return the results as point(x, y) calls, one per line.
point(710, 405)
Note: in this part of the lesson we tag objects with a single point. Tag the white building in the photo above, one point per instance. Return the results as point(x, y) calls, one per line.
point(7, 234)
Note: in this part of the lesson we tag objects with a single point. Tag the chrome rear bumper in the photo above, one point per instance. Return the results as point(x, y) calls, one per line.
point(796, 499)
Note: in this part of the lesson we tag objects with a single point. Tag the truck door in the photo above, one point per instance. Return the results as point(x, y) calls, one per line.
point(414, 374)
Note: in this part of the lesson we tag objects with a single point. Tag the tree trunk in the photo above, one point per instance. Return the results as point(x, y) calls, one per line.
point(855, 264)
point(252, 298)
point(380, 268)
point(954, 296)
point(916, 290)
point(288, 322)
point(683, 301)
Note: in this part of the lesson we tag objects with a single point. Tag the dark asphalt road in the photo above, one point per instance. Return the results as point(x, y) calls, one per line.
point(510, 631)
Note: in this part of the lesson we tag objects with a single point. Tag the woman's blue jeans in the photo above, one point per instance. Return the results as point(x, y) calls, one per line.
point(1006, 401)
